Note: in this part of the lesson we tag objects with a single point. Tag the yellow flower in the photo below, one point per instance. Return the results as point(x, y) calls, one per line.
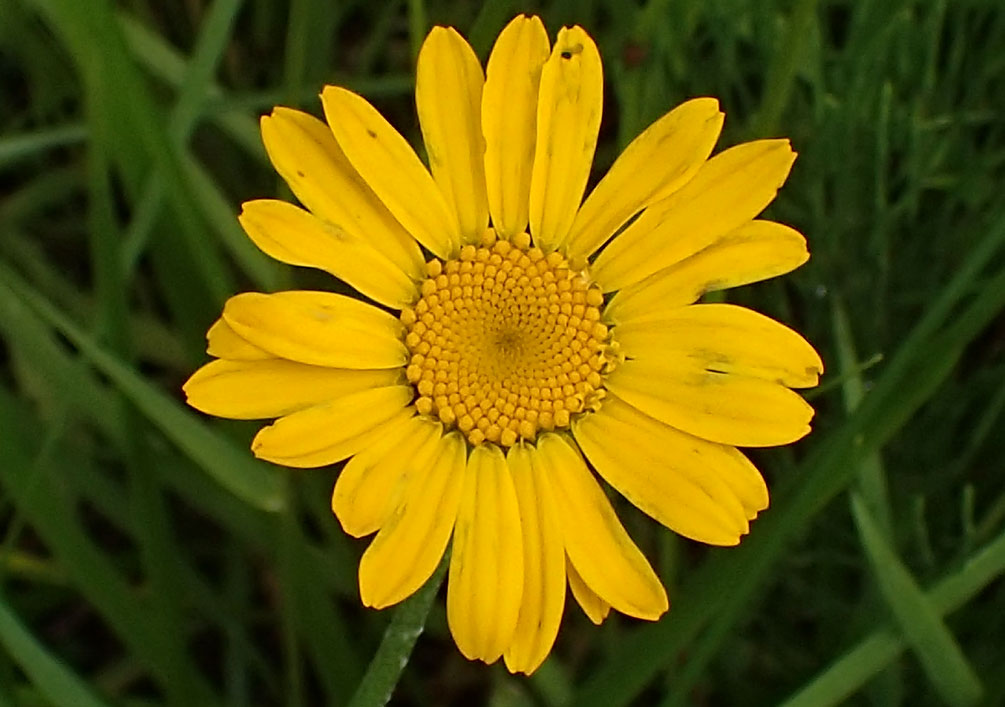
point(561, 340)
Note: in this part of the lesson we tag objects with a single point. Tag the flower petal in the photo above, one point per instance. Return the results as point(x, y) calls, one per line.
point(724, 338)
point(223, 342)
point(720, 407)
point(595, 608)
point(596, 542)
point(544, 564)
point(671, 476)
point(251, 390)
point(732, 188)
point(568, 121)
point(372, 484)
point(320, 328)
point(509, 119)
point(722, 461)
point(294, 236)
point(448, 96)
point(656, 163)
point(392, 169)
point(755, 251)
point(306, 155)
point(330, 432)
point(414, 536)
point(746, 482)
point(486, 567)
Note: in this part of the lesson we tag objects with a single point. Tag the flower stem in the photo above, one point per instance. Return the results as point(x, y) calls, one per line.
point(409, 620)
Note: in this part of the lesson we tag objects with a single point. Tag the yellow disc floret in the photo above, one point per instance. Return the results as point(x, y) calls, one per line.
point(506, 341)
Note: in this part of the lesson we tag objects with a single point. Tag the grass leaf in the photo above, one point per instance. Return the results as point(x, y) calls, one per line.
point(49, 675)
point(232, 467)
point(944, 662)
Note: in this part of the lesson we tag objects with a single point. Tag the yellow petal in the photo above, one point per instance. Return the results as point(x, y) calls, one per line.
point(291, 235)
point(320, 328)
point(724, 338)
point(486, 565)
point(415, 534)
point(656, 163)
point(596, 542)
point(330, 432)
point(306, 155)
point(448, 96)
point(595, 608)
point(372, 484)
point(568, 120)
point(671, 476)
point(392, 169)
point(509, 117)
point(725, 408)
point(251, 390)
point(755, 251)
point(543, 561)
point(732, 188)
point(746, 482)
point(223, 342)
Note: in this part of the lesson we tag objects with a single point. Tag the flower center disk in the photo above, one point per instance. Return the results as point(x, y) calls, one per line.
point(506, 341)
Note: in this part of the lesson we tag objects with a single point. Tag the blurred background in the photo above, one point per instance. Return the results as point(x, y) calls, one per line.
point(147, 559)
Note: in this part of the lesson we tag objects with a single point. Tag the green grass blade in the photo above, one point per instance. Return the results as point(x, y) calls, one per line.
point(32, 474)
point(858, 665)
point(54, 375)
point(847, 675)
point(141, 140)
point(310, 614)
point(210, 46)
point(872, 485)
point(946, 666)
point(49, 675)
point(232, 467)
point(418, 25)
point(165, 63)
point(871, 477)
point(265, 273)
point(194, 88)
point(16, 147)
point(159, 555)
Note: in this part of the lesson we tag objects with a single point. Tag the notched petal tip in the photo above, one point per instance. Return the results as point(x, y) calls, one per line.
point(325, 88)
point(195, 387)
point(281, 112)
point(260, 442)
point(439, 32)
point(569, 34)
point(190, 389)
point(708, 104)
point(522, 22)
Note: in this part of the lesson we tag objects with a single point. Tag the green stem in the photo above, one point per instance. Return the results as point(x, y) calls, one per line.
point(395, 648)
point(417, 26)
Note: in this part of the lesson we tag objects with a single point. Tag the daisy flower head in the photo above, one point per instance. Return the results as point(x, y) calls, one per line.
point(519, 341)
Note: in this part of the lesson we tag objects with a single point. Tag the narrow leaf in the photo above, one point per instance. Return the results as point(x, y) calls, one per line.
point(48, 674)
point(940, 655)
point(232, 467)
